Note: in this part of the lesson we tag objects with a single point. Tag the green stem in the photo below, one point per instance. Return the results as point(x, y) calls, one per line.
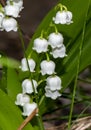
point(42, 32)
point(39, 119)
point(54, 26)
point(41, 100)
point(61, 7)
point(85, 81)
point(47, 56)
point(82, 113)
point(40, 122)
point(78, 67)
point(41, 81)
point(22, 41)
point(23, 46)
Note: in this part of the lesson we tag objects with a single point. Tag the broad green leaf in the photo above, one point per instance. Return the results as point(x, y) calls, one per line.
point(10, 115)
point(13, 83)
point(70, 63)
point(3, 79)
point(9, 62)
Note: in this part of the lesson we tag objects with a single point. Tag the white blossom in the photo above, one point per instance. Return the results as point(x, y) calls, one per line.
point(55, 40)
point(1, 19)
point(28, 108)
point(59, 52)
point(31, 63)
point(21, 99)
point(29, 86)
point(52, 94)
point(9, 24)
point(40, 45)
point(53, 83)
point(18, 3)
point(47, 67)
point(12, 10)
point(63, 17)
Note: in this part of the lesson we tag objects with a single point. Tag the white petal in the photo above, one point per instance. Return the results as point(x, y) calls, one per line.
point(22, 99)
point(24, 66)
point(9, 24)
point(47, 67)
point(54, 83)
point(68, 17)
point(1, 19)
point(59, 52)
point(28, 87)
point(63, 17)
point(28, 108)
point(18, 3)
point(12, 10)
point(40, 45)
point(52, 94)
point(55, 40)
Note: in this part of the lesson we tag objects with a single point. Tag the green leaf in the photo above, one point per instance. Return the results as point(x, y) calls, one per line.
point(13, 83)
point(9, 62)
point(10, 115)
point(70, 62)
point(3, 79)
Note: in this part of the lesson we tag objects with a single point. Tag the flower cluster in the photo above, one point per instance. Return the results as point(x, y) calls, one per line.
point(52, 47)
point(23, 99)
point(8, 13)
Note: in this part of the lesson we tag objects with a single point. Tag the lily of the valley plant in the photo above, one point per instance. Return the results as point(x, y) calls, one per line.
point(42, 80)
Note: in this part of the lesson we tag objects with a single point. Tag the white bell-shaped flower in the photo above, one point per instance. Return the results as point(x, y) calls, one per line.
point(69, 17)
point(53, 83)
point(47, 67)
point(63, 17)
point(18, 3)
point(59, 52)
point(1, 19)
point(12, 10)
point(40, 45)
point(31, 63)
point(29, 86)
point(21, 99)
point(9, 24)
point(28, 108)
point(55, 40)
point(52, 94)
